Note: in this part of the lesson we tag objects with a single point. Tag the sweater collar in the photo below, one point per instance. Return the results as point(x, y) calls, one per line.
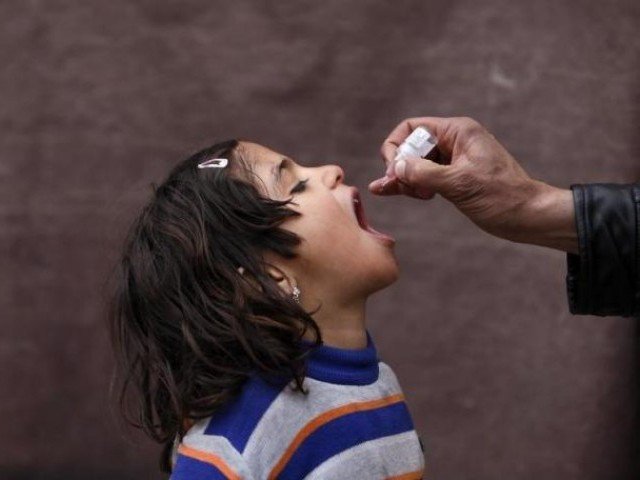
point(344, 366)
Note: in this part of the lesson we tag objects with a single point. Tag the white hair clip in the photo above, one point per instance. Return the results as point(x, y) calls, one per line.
point(214, 163)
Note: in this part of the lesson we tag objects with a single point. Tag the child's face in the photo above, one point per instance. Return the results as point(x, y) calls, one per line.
point(337, 259)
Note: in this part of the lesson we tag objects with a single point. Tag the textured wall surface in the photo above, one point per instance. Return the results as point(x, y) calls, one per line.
point(100, 98)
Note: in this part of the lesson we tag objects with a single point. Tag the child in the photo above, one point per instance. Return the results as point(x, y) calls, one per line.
point(239, 322)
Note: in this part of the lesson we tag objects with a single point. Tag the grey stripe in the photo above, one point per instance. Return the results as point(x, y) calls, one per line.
point(374, 460)
point(291, 411)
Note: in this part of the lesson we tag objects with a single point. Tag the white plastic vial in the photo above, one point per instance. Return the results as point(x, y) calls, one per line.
point(419, 144)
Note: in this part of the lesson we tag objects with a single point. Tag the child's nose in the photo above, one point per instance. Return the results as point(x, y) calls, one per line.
point(335, 174)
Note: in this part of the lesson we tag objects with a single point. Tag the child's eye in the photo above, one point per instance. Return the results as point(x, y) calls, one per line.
point(300, 186)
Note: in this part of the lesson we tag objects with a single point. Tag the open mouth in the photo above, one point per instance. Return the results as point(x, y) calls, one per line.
point(359, 210)
point(362, 219)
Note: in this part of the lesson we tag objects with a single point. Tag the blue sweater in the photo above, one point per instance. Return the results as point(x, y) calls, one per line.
point(353, 424)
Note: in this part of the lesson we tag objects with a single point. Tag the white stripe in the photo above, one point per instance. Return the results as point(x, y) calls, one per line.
point(374, 460)
point(291, 411)
point(217, 445)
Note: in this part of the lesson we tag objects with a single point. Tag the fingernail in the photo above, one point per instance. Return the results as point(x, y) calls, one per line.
point(378, 183)
point(375, 184)
point(400, 168)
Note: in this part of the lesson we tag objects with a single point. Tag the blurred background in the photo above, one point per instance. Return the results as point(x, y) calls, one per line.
point(100, 99)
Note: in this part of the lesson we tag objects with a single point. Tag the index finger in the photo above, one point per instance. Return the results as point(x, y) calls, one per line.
point(395, 138)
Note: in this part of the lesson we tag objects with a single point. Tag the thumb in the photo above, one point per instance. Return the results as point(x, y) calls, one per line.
point(421, 173)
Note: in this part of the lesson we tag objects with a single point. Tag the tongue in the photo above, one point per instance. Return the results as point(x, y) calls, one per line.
point(364, 224)
point(373, 231)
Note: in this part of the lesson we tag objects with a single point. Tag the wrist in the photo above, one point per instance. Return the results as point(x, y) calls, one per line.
point(548, 219)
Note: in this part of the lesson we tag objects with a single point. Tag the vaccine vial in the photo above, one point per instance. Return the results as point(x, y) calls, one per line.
point(420, 143)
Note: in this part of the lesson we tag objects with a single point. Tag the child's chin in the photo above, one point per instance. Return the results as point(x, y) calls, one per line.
point(387, 273)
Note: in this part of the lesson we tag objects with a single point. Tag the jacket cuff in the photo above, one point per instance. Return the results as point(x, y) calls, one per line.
point(603, 278)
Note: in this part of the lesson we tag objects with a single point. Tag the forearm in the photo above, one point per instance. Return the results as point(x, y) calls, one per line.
point(548, 219)
point(597, 225)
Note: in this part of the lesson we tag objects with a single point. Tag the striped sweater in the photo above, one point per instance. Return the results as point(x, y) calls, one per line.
point(353, 424)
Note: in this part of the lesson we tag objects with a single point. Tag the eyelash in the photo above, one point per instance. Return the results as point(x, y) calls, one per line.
point(300, 186)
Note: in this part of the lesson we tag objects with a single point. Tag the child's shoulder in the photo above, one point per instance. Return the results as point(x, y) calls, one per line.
point(201, 456)
point(387, 375)
point(213, 448)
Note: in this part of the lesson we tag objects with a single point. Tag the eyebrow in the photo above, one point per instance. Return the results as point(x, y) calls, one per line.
point(276, 170)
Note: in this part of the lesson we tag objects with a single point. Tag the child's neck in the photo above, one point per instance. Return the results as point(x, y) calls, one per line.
point(343, 326)
point(350, 339)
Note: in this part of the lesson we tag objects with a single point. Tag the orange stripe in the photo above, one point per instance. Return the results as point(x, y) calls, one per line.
point(326, 417)
point(417, 475)
point(211, 459)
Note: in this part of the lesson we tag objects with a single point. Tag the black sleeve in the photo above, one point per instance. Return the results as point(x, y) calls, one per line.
point(603, 279)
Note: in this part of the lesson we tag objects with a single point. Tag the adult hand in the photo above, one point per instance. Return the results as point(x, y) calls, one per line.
point(483, 181)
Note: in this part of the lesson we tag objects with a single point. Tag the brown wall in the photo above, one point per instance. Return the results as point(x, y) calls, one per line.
point(100, 98)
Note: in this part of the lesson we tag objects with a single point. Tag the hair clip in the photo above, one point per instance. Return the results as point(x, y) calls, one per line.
point(214, 163)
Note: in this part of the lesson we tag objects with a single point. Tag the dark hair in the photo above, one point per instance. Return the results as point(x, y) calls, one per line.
point(188, 328)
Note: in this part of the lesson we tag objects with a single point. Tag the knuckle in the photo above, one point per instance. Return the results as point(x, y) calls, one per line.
point(470, 128)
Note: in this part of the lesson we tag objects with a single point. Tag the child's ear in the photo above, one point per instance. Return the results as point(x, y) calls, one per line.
point(278, 276)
